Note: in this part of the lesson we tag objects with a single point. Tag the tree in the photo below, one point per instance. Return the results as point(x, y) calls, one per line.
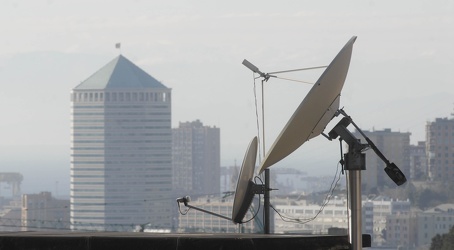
point(448, 240)
point(429, 198)
point(443, 242)
point(437, 242)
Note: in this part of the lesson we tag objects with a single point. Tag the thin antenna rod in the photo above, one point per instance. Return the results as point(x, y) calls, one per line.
point(266, 77)
point(293, 80)
point(263, 117)
point(293, 70)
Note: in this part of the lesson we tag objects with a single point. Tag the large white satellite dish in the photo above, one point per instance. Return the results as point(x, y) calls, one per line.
point(315, 111)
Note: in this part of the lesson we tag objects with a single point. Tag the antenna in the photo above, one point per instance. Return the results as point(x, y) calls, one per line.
point(266, 76)
point(326, 117)
point(310, 119)
point(253, 68)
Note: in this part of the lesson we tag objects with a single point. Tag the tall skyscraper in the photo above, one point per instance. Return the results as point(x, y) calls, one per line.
point(196, 158)
point(395, 146)
point(440, 149)
point(121, 136)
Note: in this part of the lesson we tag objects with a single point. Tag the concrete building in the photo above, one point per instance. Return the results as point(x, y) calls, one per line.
point(44, 212)
point(418, 161)
point(401, 230)
point(196, 159)
point(14, 180)
point(229, 178)
point(395, 146)
point(368, 218)
point(10, 215)
point(437, 220)
point(290, 180)
point(312, 218)
point(440, 149)
point(375, 213)
point(121, 172)
point(197, 221)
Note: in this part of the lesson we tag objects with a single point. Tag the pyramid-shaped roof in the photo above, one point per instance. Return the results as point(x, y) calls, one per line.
point(120, 73)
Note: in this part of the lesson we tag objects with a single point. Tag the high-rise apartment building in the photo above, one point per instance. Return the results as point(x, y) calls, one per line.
point(395, 146)
point(121, 173)
point(196, 158)
point(440, 149)
point(418, 161)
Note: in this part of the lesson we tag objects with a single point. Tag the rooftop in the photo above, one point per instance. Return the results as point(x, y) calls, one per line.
point(120, 73)
point(115, 240)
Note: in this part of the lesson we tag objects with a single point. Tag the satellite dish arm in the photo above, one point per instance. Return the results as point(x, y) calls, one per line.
point(208, 212)
point(370, 143)
point(185, 200)
point(391, 169)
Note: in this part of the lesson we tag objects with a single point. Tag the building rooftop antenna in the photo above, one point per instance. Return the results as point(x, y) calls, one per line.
point(265, 77)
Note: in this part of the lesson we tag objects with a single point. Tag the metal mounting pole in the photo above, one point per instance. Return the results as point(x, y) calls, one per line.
point(355, 232)
point(266, 196)
point(266, 202)
point(355, 162)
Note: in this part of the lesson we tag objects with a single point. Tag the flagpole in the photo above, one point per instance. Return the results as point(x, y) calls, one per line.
point(118, 46)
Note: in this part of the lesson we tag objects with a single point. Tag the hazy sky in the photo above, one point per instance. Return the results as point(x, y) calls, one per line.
point(400, 77)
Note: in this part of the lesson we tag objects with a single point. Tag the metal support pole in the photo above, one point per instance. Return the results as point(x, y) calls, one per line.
point(354, 190)
point(266, 196)
point(263, 116)
point(266, 202)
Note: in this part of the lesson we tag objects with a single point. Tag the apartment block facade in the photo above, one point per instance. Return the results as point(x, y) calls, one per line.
point(196, 159)
point(440, 149)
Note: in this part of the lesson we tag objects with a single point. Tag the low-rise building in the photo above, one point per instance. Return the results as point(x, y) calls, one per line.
point(401, 230)
point(299, 216)
point(437, 220)
point(375, 212)
point(44, 212)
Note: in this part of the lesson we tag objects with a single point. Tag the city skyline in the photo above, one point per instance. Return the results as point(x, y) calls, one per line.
point(401, 64)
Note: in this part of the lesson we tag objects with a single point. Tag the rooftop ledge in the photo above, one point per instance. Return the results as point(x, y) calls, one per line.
point(123, 240)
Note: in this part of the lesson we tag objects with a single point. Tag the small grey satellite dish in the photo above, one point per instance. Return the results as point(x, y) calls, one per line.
point(315, 111)
point(244, 193)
